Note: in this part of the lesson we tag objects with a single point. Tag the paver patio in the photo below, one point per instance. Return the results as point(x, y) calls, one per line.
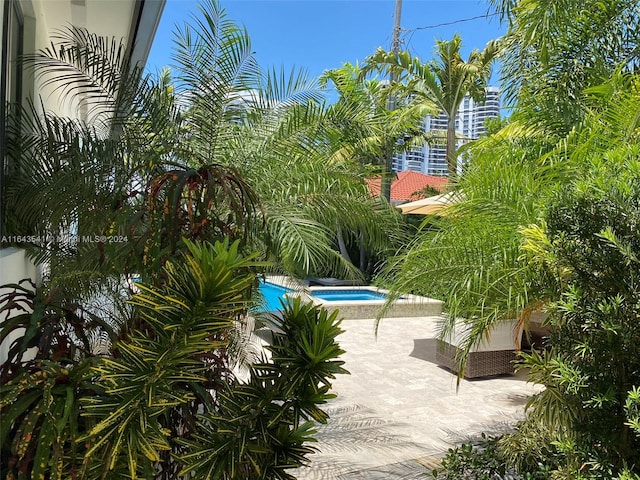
point(398, 412)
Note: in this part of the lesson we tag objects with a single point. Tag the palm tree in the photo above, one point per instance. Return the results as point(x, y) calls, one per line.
point(196, 146)
point(532, 231)
point(361, 135)
point(579, 250)
point(276, 129)
point(443, 81)
point(150, 165)
point(474, 259)
point(368, 130)
point(471, 257)
point(551, 55)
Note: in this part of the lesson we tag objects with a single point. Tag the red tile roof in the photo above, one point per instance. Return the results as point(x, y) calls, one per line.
point(408, 185)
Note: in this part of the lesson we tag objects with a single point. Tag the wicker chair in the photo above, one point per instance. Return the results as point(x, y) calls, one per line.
point(493, 356)
point(479, 364)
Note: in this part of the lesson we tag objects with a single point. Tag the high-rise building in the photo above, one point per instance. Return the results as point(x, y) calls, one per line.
point(430, 158)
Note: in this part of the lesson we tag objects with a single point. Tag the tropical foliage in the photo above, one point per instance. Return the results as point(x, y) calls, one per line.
point(163, 400)
point(187, 148)
point(471, 256)
point(441, 83)
point(474, 258)
point(584, 423)
point(93, 192)
point(373, 131)
point(160, 181)
point(365, 133)
point(553, 51)
point(587, 249)
point(178, 180)
point(544, 222)
point(289, 146)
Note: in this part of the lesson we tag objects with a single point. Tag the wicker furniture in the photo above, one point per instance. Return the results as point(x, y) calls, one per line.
point(493, 356)
point(479, 364)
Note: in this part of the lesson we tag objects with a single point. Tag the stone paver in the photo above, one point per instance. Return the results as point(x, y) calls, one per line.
point(398, 412)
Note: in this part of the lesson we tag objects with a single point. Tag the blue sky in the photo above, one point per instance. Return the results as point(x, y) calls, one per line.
point(322, 34)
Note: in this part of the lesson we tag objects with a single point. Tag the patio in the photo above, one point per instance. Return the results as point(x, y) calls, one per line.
point(398, 412)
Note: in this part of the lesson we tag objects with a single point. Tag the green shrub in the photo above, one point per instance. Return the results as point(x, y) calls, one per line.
point(487, 459)
point(163, 402)
point(470, 461)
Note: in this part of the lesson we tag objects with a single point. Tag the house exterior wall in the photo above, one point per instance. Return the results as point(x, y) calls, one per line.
point(135, 21)
point(14, 266)
point(32, 23)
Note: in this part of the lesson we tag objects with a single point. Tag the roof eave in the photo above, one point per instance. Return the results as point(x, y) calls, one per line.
point(144, 24)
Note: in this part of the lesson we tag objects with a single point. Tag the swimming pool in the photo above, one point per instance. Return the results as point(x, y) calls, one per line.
point(272, 294)
point(367, 302)
point(349, 295)
point(351, 302)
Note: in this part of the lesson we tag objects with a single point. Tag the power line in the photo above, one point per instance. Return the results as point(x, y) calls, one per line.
point(409, 32)
point(452, 22)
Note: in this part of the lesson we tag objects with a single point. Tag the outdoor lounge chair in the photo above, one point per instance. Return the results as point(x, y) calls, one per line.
point(494, 356)
point(331, 282)
point(479, 364)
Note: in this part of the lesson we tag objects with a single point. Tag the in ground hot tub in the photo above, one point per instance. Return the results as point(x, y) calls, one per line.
point(366, 302)
point(360, 294)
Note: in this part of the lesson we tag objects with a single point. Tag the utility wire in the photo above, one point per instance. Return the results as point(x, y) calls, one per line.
point(452, 22)
point(411, 31)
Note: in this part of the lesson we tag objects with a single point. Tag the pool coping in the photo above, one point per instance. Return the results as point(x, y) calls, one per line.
point(406, 306)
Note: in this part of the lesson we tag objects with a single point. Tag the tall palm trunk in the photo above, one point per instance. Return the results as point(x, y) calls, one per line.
point(364, 258)
point(452, 158)
point(387, 174)
point(343, 246)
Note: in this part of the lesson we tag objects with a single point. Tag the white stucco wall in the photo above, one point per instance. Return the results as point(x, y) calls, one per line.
point(44, 18)
point(14, 266)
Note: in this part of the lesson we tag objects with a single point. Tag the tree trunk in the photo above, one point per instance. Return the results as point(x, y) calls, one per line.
point(363, 255)
point(452, 158)
point(343, 246)
point(387, 174)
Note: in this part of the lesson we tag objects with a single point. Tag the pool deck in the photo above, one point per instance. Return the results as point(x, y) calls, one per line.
point(398, 412)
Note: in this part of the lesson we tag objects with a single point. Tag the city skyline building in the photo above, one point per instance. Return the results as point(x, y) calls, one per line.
point(430, 158)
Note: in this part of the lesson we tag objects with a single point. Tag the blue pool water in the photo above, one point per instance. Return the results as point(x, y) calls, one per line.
point(348, 295)
point(272, 295)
